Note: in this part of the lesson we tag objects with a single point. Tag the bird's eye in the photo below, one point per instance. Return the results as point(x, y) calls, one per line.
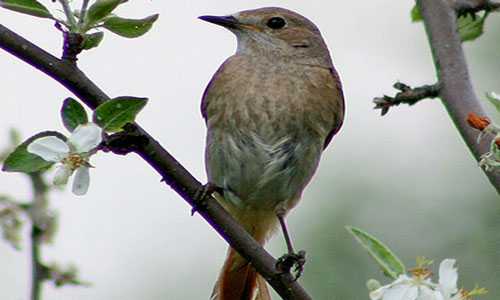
point(276, 23)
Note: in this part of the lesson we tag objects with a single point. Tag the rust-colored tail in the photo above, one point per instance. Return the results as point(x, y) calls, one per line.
point(238, 280)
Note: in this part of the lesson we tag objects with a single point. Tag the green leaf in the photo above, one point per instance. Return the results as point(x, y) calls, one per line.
point(20, 160)
point(99, 10)
point(29, 7)
point(130, 28)
point(73, 114)
point(112, 115)
point(494, 99)
point(92, 40)
point(416, 16)
point(388, 261)
point(470, 28)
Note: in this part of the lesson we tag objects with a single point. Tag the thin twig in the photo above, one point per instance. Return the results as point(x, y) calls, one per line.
point(407, 95)
point(36, 278)
point(171, 171)
point(456, 89)
point(37, 209)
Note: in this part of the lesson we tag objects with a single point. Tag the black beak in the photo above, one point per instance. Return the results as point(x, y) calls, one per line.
point(225, 21)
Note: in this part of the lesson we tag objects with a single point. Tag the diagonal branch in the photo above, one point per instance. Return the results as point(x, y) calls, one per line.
point(456, 89)
point(173, 173)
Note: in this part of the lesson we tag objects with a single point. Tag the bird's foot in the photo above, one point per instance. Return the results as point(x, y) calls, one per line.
point(201, 195)
point(292, 260)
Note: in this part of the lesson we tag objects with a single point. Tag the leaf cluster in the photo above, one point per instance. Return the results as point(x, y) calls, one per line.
point(98, 15)
point(111, 116)
point(470, 26)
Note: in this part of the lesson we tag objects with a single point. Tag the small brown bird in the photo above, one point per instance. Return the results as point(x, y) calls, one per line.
point(270, 109)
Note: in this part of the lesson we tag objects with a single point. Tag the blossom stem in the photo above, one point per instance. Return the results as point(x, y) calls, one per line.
point(69, 14)
point(83, 12)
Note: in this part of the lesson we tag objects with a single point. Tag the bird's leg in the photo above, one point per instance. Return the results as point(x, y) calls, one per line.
point(287, 261)
point(281, 217)
point(201, 195)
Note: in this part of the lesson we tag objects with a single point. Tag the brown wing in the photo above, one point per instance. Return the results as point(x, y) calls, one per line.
point(204, 102)
point(340, 117)
point(205, 97)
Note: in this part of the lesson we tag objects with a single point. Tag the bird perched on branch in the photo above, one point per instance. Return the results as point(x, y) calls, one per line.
point(271, 109)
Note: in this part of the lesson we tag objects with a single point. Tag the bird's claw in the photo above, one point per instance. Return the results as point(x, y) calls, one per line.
point(201, 195)
point(292, 260)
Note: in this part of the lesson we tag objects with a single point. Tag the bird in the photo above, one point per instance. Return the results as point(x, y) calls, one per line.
point(270, 109)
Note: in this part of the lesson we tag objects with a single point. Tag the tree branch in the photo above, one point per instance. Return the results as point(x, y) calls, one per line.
point(456, 88)
point(36, 267)
point(37, 208)
point(407, 95)
point(463, 7)
point(172, 172)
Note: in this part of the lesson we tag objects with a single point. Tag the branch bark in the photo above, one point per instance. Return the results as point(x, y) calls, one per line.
point(473, 6)
point(37, 207)
point(456, 89)
point(172, 172)
point(407, 95)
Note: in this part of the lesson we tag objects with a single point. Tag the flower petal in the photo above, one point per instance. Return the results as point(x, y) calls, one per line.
point(86, 137)
point(50, 148)
point(425, 293)
point(448, 277)
point(81, 181)
point(402, 292)
point(379, 293)
point(62, 175)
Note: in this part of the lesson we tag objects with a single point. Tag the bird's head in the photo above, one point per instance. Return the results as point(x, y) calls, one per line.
point(273, 31)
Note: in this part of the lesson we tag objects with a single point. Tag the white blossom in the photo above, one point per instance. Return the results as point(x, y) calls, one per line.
point(406, 288)
point(419, 286)
point(448, 277)
point(72, 155)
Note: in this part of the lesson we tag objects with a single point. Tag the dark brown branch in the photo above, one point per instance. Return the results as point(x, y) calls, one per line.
point(456, 89)
point(407, 95)
point(171, 171)
point(72, 46)
point(463, 7)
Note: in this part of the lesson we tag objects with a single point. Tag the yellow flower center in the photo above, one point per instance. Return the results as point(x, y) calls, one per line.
point(420, 273)
point(74, 161)
point(477, 291)
point(464, 294)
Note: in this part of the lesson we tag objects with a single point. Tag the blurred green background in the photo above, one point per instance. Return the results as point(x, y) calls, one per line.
point(407, 177)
